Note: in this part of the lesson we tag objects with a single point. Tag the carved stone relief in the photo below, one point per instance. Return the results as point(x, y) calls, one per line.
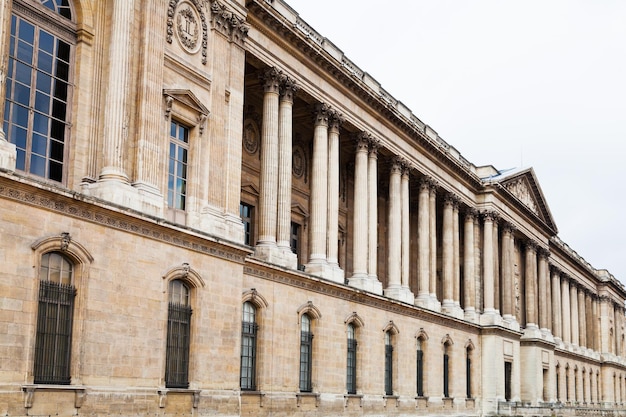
point(520, 189)
point(250, 136)
point(186, 20)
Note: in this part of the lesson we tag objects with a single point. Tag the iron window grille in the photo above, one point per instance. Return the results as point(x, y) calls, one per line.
point(446, 373)
point(351, 361)
point(306, 354)
point(388, 365)
point(177, 355)
point(249, 330)
point(420, 370)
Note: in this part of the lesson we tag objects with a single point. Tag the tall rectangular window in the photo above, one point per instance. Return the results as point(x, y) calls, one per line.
point(38, 91)
point(248, 347)
point(55, 314)
point(420, 369)
point(177, 166)
point(508, 370)
point(246, 212)
point(306, 353)
point(446, 372)
point(178, 336)
point(468, 373)
point(388, 364)
point(351, 361)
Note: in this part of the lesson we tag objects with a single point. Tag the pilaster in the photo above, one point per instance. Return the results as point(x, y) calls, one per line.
point(8, 152)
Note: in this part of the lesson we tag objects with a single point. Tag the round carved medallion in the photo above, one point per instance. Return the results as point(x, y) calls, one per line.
point(298, 162)
point(250, 136)
point(188, 26)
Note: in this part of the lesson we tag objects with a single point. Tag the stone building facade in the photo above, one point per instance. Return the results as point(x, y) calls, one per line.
point(207, 209)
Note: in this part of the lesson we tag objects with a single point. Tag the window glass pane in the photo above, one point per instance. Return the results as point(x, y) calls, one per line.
point(57, 130)
point(46, 42)
point(60, 90)
point(27, 32)
point(20, 116)
point(63, 52)
point(56, 171)
point(62, 71)
point(56, 150)
point(18, 137)
point(44, 81)
point(40, 123)
point(42, 102)
point(24, 52)
point(22, 73)
point(58, 109)
point(40, 144)
point(44, 62)
point(22, 94)
point(20, 161)
point(38, 165)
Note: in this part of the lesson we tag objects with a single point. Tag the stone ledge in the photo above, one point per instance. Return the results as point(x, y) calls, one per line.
point(29, 392)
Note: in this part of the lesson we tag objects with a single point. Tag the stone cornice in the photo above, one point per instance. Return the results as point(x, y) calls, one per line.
point(379, 101)
point(49, 197)
point(259, 269)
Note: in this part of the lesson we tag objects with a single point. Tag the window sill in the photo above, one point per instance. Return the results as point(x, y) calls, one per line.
point(259, 394)
point(164, 391)
point(395, 398)
point(354, 397)
point(421, 401)
point(29, 392)
point(301, 395)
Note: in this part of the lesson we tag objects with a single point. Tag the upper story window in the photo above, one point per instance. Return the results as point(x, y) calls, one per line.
point(177, 166)
point(53, 341)
point(38, 86)
point(246, 211)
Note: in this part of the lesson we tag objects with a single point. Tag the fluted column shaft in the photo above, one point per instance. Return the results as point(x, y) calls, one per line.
point(116, 117)
point(573, 299)
point(565, 311)
point(543, 289)
point(531, 283)
point(469, 290)
point(557, 327)
point(507, 272)
point(268, 194)
point(488, 275)
point(456, 247)
point(319, 190)
point(448, 250)
point(372, 210)
point(496, 266)
point(406, 231)
point(285, 130)
point(582, 323)
point(433, 242)
point(395, 227)
point(360, 232)
point(423, 237)
point(332, 232)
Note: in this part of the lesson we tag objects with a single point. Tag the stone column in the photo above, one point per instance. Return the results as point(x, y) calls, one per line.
point(394, 232)
point(319, 192)
point(423, 242)
point(507, 273)
point(496, 266)
point(372, 214)
point(565, 310)
point(456, 247)
point(544, 290)
point(448, 254)
point(589, 320)
point(556, 305)
point(582, 323)
point(269, 164)
point(8, 152)
point(433, 245)
point(332, 233)
point(116, 112)
point(531, 284)
point(469, 284)
point(406, 231)
point(285, 131)
point(573, 299)
point(488, 263)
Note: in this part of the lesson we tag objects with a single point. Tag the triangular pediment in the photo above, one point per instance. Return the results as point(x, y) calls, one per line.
point(523, 185)
point(187, 98)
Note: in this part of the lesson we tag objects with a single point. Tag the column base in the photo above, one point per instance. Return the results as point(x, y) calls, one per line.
point(531, 332)
point(117, 191)
point(272, 254)
point(366, 283)
point(403, 294)
point(511, 322)
point(471, 315)
point(214, 221)
point(325, 270)
point(8, 155)
point(491, 317)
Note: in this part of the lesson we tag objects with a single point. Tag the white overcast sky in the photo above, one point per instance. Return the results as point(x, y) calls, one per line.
point(510, 84)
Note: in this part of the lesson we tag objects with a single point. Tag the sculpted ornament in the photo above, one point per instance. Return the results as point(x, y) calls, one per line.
point(185, 18)
point(519, 188)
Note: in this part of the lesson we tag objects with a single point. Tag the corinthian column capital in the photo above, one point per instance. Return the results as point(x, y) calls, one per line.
point(335, 119)
point(321, 114)
point(490, 216)
point(362, 140)
point(471, 214)
point(288, 88)
point(271, 79)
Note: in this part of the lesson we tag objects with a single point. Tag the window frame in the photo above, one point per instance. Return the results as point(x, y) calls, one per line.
point(177, 312)
point(178, 144)
point(351, 359)
point(419, 367)
point(249, 333)
point(389, 362)
point(61, 29)
point(248, 222)
point(305, 383)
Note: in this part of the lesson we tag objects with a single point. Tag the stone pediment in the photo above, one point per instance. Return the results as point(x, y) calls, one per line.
point(523, 185)
point(187, 98)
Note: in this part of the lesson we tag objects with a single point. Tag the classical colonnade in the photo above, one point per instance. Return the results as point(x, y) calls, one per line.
point(566, 309)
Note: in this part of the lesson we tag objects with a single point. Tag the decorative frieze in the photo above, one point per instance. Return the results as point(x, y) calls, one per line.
point(227, 23)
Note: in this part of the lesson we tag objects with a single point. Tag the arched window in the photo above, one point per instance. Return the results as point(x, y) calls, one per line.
point(351, 360)
point(468, 372)
point(55, 315)
point(388, 363)
point(39, 86)
point(446, 370)
point(178, 335)
point(306, 353)
point(420, 367)
point(249, 329)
